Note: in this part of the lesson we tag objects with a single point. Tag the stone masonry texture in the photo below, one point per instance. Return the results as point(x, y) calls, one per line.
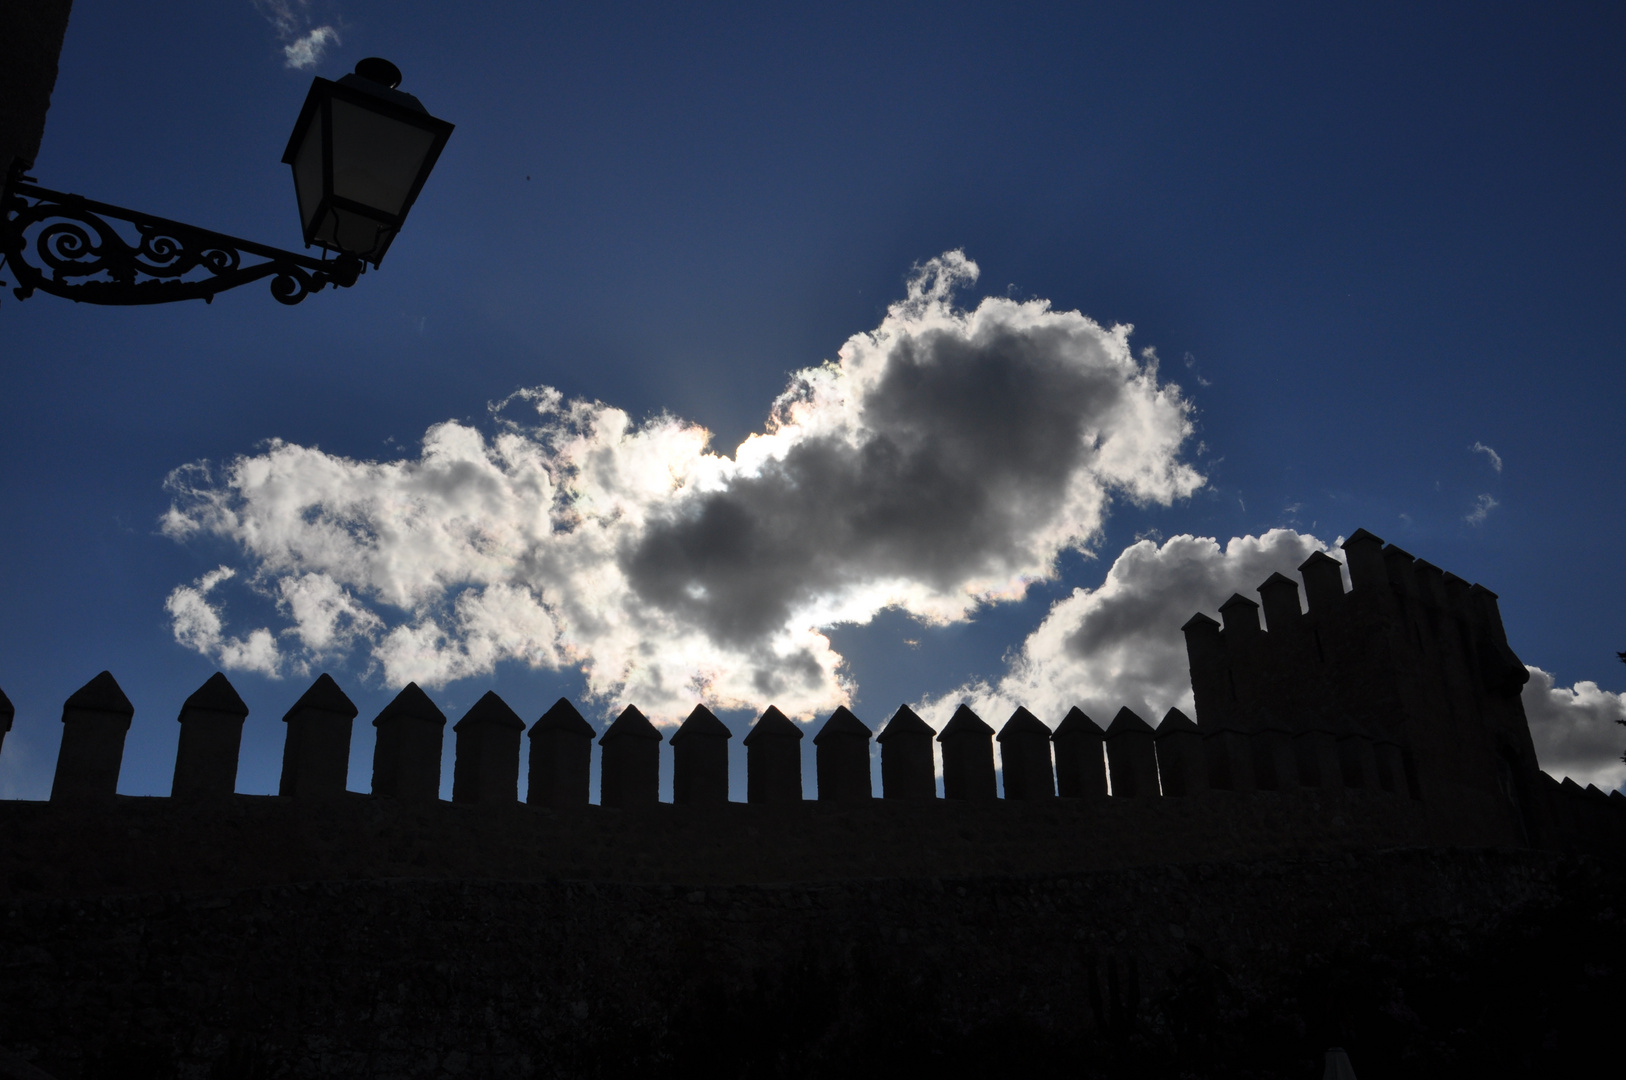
point(1238, 969)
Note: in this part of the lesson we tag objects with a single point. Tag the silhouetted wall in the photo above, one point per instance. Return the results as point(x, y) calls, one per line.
point(31, 33)
point(1388, 715)
point(1420, 963)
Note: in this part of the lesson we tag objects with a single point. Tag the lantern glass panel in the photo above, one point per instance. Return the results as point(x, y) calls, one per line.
point(376, 160)
point(308, 173)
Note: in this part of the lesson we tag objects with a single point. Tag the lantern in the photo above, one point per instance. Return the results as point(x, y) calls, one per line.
point(361, 151)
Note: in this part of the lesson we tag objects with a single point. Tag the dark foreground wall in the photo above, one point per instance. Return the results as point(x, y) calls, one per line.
point(30, 41)
point(133, 844)
point(1421, 963)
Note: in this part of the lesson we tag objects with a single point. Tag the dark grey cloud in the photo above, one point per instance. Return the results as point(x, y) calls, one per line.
point(970, 445)
point(943, 461)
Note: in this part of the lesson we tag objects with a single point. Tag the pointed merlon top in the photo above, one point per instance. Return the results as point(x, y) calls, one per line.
point(964, 722)
point(563, 717)
point(323, 696)
point(772, 724)
point(1394, 551)
point(905, 722)
point(1276, 581)
point(702, 721)
point(1077, 722)
point(1175, 720)
point(631, 724)
point(101, 694)
point(1127, 720)
point(411, 703)
point(1198, 621)
point(491, 711)
point(1238, 599)
point(1317, 558)
point(7, 711)
point(217, 694)
point(843, 722)
point(1480, 590)
point(1361, 536)
point(1023, 722)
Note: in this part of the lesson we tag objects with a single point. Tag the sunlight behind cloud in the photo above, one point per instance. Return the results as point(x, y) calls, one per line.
point(943, 461)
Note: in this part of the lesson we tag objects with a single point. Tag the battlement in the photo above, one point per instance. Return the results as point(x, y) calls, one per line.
point(1405, 681)
point(1388, 715)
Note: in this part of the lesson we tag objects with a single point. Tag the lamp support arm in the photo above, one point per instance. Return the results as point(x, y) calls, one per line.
point(66, 245)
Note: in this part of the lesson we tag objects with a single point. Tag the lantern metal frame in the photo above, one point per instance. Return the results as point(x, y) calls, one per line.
point(319, 100)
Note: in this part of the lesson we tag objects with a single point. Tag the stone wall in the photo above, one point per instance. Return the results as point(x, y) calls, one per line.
point(1420, 962)
point(140, 845)
point(1221, 897)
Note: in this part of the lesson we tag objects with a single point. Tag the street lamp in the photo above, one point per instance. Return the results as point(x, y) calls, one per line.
point(360, 152)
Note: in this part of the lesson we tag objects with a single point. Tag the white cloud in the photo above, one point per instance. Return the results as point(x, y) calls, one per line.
point(197, 625)
point(304, 51)
point(1120, 644)
point(302, 43)
point(326, 617)
point(944, 460)
point(1495, 458)
point(1482, 508)
point(1575, 730)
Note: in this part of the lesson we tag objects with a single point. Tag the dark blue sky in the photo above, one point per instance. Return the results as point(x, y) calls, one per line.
point(1362, 238)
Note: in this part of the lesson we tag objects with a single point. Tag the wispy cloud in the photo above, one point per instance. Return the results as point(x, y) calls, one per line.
point(304, 51)
point(303, 41)
point(1483, 505)
point(944, 460)
point(1495, 458)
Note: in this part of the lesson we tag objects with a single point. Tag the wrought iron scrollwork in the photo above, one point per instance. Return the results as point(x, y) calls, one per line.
point(66, 245)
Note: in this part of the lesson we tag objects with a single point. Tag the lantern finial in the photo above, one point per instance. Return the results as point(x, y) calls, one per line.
point(377, 69)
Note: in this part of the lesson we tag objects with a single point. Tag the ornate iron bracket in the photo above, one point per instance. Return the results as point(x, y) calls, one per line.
point(65, 245)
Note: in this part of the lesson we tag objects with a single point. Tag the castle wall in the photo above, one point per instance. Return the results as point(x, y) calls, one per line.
point(1385, 716)
point(1420, 962)
point(1409, 672)
point(152, 844)
point(1358, 784)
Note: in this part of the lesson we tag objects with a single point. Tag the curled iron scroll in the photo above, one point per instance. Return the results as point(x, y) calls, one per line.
point(68, 246)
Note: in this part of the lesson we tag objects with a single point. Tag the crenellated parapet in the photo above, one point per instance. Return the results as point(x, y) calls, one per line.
point(1405, 683)
point(1390, 711)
